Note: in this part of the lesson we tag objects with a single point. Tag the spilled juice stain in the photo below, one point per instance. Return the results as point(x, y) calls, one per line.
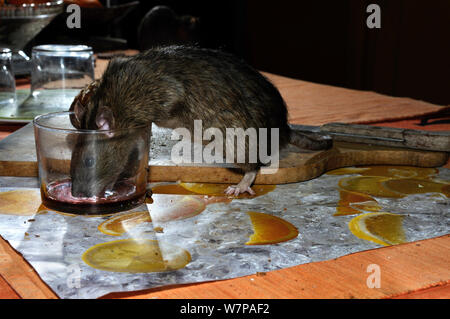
point(136, 256)
point(24, 202)
point(270, 229)
point(119, 224)
point(351, 203)
point(381, 228)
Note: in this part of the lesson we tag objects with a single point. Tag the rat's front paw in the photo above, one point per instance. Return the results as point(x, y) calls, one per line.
point(235, 190)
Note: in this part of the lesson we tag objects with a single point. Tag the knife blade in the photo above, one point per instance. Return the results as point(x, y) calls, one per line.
point(384, 136)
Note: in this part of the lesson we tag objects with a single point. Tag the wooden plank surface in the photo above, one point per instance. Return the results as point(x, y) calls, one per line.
point(6, 292)
point(437, 292)
point(20, 276)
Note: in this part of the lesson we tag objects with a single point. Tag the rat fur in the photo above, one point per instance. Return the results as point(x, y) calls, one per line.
point(171, 87)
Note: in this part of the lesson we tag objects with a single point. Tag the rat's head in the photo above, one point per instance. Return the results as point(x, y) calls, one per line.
point(108, 107)
point(100, 160)
point(98, 157)
point(96, 164)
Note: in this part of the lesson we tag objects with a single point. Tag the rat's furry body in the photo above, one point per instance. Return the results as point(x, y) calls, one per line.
point(173, 86)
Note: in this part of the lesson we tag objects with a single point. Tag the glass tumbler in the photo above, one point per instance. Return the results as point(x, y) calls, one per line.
point(7, 80)
point(59, 72)
point(90, 171)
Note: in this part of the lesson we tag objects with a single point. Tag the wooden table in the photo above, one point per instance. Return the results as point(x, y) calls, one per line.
point(412, 270)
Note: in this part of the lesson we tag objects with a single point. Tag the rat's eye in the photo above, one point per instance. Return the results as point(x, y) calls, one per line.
point(89, 162)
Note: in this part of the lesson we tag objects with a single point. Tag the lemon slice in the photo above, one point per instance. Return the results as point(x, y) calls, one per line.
point(381, 228)
point(25, 202)
point(270, 229)
point(219, 189)
point(119, 224)
point(136, 256)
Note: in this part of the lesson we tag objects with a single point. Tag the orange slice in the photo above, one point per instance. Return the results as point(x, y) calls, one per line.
point(136, 256)
point(348, 171)
point(25, 202)
point(388, 171)
point(400, 171)
point(369, 185)
point(446, 190)
point(270, 229)
point(351, 203)
point(416, 186)
point(381, 228)
point(174, 189)
point(120, 224)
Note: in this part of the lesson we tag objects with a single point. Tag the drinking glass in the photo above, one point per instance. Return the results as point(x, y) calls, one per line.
point(90, 171)
point(59, 72)
point(7, 80)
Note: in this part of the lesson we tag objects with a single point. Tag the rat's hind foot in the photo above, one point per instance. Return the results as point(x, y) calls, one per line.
point(235, 190)
point(243, 186)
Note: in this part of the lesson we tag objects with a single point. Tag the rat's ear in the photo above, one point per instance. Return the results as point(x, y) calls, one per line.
point(105, 118)
point(78, 113)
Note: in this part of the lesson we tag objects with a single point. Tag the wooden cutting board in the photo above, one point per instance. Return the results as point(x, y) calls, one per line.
point(18, 158)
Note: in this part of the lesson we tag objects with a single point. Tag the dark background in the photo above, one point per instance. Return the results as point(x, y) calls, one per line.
point(326, 41)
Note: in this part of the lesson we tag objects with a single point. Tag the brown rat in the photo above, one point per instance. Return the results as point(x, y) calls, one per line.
point(171, 87)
